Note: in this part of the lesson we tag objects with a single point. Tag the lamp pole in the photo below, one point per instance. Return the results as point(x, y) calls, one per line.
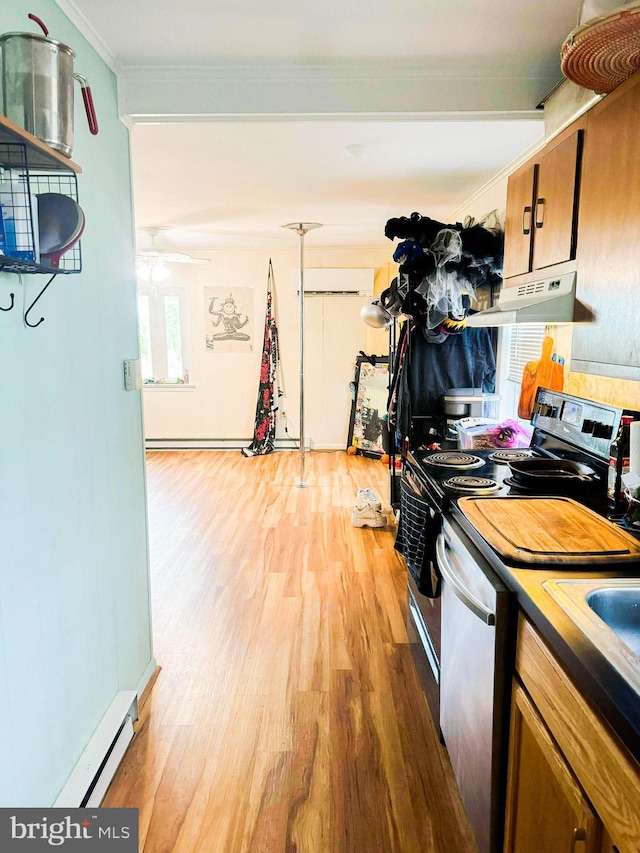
point(301, 228)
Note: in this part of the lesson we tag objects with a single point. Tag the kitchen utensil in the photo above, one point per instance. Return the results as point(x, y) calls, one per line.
point(550, 473)
point(470, 402)
point(374, 315)
point(60, 221)
point(538, 374)
point(542, 531)
point(53, 258)
point(37, 87)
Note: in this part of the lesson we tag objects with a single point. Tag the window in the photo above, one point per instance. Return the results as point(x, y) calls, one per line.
point(165, 351)
point(525, 345)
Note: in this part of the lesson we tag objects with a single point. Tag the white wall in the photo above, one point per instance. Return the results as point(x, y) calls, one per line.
point(222, 405)
point(74, 591)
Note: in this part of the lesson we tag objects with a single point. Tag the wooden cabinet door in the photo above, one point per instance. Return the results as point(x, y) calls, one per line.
point(555, 208)
point(608, 260)
point(518, 226)
point(607, 845)
point(546, 808)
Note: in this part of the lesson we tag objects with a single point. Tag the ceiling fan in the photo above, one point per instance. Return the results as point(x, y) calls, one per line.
point(151, 264)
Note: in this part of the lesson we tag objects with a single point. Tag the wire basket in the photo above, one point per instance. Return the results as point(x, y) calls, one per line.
point(19, 224)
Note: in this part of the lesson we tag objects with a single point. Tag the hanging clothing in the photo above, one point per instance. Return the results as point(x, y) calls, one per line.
point(269, 391)
point(465, 360)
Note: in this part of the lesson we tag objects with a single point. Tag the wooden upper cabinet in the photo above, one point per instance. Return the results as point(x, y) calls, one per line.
point(546, 807)
point(555, 210)
point(542, 205)
point(518, 227)
point(608, 259)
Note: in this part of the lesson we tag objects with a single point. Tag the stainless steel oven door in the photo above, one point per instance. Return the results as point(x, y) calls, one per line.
point(473, 681)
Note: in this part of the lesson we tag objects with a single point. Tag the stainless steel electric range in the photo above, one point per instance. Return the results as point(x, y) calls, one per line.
point(461, 617)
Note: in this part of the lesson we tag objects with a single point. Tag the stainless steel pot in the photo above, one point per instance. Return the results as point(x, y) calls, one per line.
point(37, 87)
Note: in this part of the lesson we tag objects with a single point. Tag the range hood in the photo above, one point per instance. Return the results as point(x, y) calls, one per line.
point(549, 300)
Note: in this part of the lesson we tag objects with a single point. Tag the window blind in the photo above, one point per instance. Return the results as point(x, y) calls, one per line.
point(525, 345)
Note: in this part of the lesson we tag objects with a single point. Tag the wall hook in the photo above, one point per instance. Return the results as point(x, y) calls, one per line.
point(13, 300)
point(41, 320)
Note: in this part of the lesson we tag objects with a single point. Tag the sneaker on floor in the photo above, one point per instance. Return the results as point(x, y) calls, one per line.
point(368, 517)
point(367, 497)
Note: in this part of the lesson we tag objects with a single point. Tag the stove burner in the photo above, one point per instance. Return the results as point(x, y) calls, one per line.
point(518, 487)
point(470, 484)
point(454, 459)
point(506, 456)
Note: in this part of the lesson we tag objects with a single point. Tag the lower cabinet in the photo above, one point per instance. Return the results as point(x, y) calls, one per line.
point(546, 807)
point(572, 786)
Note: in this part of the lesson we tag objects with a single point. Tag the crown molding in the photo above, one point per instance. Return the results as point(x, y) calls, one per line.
point(77, 18)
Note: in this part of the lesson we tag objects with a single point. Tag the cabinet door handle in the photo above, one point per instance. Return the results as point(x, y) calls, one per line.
point(539, 213)
point(579, 834)
point(526, 218)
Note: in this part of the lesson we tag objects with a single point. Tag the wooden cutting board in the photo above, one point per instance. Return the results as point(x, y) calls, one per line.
point(549, 531)
point(544, 373)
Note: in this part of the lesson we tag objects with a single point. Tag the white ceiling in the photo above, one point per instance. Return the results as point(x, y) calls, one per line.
point(241, 181)
point(345, 112)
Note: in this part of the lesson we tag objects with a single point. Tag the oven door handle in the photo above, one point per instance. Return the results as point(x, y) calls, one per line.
point(472, 603)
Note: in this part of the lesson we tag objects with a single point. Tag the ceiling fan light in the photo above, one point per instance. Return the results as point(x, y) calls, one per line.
point(159, 272)
point(144, 271)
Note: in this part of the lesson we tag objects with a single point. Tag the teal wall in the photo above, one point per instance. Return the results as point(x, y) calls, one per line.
point(74, 591)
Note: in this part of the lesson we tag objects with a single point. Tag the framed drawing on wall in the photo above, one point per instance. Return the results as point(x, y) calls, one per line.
point(228, 319)
point(368, 421)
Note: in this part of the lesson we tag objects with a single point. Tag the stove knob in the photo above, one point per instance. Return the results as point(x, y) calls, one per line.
point(601, 430)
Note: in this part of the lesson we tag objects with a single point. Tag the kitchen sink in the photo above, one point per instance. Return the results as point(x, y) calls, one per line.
point(619, 608)
point(608, 613)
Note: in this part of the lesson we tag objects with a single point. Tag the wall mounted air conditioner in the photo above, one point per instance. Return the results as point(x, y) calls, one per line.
point(335, 282)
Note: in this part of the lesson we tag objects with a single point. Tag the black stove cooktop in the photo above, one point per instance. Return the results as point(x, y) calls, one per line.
point(564, 427)
point(445, 482)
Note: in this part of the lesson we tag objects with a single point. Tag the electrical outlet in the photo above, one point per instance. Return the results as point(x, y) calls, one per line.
point(132, 374)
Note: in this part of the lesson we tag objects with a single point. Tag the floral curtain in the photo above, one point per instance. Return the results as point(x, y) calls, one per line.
point(264, 433)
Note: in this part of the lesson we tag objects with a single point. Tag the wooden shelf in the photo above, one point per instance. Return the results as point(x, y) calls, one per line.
point(39, 155)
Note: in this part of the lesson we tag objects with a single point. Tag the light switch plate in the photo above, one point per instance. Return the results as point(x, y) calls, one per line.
point(132, 374)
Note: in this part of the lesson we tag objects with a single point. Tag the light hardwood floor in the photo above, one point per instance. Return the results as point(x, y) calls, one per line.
point(287, 716)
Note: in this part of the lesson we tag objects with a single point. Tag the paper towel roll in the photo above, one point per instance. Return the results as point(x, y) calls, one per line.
point(634, 447)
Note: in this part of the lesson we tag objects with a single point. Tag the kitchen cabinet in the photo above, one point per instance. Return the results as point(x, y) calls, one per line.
point(542, 205)
point(608, 280)
point(567, 770)
point(546, 807)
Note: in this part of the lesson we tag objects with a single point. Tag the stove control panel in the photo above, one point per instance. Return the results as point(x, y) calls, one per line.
point(585, 424)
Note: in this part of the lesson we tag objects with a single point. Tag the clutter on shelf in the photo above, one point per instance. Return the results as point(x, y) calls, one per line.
point(440, 267)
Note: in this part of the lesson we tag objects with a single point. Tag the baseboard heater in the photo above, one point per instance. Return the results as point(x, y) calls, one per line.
point(92, 775)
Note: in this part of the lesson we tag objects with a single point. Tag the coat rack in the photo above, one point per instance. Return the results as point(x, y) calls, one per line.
point(301, 228)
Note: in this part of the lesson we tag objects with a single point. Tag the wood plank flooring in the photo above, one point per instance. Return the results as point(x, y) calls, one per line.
point(287, 716)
